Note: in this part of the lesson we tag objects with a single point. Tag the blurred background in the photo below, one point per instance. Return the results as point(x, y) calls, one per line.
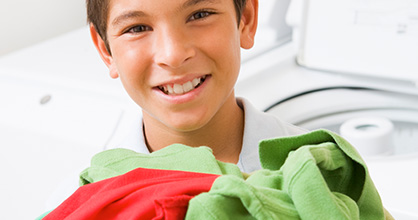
point(24, 22)
point(350, 66)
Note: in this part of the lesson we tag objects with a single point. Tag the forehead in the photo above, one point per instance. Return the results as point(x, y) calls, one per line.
point(181, 4)
point(120, 10)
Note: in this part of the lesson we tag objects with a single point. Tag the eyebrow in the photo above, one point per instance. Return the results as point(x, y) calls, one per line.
point(190, 3)
point(127, 15)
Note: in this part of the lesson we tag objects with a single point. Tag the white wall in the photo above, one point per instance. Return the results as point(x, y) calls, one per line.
point(25, 22)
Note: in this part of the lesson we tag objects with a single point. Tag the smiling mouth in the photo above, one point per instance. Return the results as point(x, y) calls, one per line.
point(180, 89)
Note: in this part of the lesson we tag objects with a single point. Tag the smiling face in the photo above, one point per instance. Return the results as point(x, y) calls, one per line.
point(178, 60)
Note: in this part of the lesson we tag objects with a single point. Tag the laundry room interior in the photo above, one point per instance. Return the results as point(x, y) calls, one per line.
point(348, 66)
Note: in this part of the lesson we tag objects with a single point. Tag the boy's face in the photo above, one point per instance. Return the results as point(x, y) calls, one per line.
point(177, 59)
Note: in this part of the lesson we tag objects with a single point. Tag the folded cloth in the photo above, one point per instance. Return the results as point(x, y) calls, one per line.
point(138, 194)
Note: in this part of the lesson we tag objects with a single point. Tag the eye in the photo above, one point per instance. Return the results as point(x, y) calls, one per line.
point(138, 29)
point(200, 15)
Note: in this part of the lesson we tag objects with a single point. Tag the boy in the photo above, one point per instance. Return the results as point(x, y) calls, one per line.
point(179, 61)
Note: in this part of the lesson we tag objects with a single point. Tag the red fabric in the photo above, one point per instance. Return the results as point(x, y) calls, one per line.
point(139, 194)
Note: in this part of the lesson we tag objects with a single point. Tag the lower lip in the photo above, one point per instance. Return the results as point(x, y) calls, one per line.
point(184, 98)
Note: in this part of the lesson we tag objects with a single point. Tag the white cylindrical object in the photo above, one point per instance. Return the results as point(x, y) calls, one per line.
point(371, 136)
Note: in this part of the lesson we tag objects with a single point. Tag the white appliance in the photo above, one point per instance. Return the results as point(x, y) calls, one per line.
point(314, 99)
point(331, 74)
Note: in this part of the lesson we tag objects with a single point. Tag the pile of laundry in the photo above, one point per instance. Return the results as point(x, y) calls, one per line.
point(317, 175)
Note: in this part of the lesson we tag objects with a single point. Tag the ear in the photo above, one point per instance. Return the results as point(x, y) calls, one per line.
point(104, 53)
point(248, 23)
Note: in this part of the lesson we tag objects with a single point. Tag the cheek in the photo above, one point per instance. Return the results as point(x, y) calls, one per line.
point(132, 69)
point(228, 57)
point(131, 64)
point(223, 46)
point(127, 59)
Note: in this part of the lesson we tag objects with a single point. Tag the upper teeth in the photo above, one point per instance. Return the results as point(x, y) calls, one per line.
point(179, 89)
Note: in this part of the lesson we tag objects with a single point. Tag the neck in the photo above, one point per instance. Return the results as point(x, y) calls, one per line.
point(223, 133)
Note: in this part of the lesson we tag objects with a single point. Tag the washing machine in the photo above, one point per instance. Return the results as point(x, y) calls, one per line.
point(350, 67)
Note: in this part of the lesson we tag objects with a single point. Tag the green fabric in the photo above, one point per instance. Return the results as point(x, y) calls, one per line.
point(312, 176)
point(119, 161)
point(317, 178)
point(359, 185)
point(317, 175)
point(234, 198)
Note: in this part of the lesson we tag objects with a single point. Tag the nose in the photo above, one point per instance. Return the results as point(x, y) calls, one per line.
point(173, 48)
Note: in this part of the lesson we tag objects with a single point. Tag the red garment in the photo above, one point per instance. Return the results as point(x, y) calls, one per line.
point(139, 194)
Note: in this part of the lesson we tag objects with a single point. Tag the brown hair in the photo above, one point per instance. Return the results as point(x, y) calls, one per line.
point(97, 12)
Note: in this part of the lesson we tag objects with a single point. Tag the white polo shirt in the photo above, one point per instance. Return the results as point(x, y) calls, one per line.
point(257, 126)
